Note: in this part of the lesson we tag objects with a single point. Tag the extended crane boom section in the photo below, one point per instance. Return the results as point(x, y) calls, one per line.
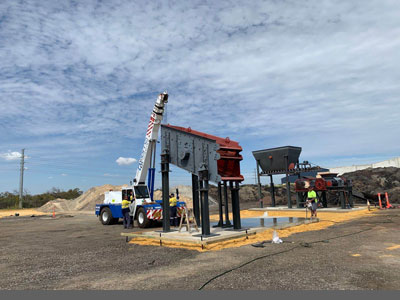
point(149, 147)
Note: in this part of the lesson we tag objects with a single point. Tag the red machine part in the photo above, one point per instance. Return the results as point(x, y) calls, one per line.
point(229, 151)
point(320, 184)
point(305, 184)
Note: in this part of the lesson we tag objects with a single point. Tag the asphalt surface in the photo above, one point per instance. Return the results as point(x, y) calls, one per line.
point(77, 252)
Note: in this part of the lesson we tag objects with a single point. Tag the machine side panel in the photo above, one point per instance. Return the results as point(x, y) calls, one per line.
point(190, 152)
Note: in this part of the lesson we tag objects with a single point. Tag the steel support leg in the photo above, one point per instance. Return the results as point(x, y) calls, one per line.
point(205, 214)
point(299, 200)
point(165, 190)
point(289, 199)
point(235, 204)
point(272, 191)
point(259, 186)
point(351, 197)
point(342, 199)
point(227, 222)
point(298, 197)
point(221, 216)
point(324, 200)
point(195, 196)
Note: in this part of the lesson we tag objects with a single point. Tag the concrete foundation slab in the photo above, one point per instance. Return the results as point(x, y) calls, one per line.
point(250, 226)
point(329, 209)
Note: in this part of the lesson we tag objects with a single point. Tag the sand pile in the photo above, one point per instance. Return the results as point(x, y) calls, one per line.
point(93, 196)
point(86, 201)
point(57, 205)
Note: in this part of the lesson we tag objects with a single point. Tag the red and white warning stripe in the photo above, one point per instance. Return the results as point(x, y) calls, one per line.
point(156, 214)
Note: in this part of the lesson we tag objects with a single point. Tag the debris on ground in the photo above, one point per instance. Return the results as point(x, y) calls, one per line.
point(276, 239)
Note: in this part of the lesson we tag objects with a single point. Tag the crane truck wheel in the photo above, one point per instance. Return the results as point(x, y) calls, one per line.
point(142, 220)
point(106, 217)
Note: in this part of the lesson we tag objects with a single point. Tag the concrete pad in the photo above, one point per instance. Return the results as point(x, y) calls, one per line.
point(219, 234)
point(285, 208)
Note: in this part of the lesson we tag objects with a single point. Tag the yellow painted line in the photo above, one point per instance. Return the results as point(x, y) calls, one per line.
point(356, 255)
point(393, 247)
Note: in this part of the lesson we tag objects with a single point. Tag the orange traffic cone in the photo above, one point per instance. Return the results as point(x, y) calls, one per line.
point(380, 200)
point(388, 205)
point(54, 212)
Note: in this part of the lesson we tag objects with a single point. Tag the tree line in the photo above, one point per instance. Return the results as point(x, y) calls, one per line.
point(11, 200)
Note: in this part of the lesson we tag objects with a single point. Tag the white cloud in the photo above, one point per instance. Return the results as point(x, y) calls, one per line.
point(11, 156)
point(63, 174)
point(110, 175)
point(263, 72)
point(125, 161)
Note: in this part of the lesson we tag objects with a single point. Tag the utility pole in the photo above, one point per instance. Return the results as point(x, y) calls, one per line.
point(21, 178)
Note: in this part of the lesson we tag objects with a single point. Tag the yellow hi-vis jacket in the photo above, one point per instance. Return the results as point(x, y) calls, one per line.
point(173, 201)
point(125, 204)
point(312, 195)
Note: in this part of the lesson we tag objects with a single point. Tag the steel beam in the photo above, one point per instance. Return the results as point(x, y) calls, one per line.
point(272, 191)
point(205, 213)
point(165, 190)
point(259, 185)
point(234, 186)
point(221, 215)
point(324, 200)
point(195, 197)
point(342, 199)
point(227, 222)
point(289, 199)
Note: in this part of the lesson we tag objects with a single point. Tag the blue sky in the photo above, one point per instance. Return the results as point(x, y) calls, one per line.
point(78, 80)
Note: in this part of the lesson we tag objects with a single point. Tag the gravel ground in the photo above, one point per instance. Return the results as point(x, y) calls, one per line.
point(77, 252)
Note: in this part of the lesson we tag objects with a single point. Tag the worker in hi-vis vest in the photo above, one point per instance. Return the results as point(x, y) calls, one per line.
point(312, 198)
point(173, 219)
point(125, 212)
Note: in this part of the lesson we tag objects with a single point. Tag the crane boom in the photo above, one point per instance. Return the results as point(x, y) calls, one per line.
point(149, 148)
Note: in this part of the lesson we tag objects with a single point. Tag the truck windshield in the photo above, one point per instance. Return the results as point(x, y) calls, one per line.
point(141, 192)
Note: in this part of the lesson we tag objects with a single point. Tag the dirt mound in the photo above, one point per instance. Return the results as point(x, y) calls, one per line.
point(57, 205)
point(370, 182)
point(86, 201)
point(93, 196)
